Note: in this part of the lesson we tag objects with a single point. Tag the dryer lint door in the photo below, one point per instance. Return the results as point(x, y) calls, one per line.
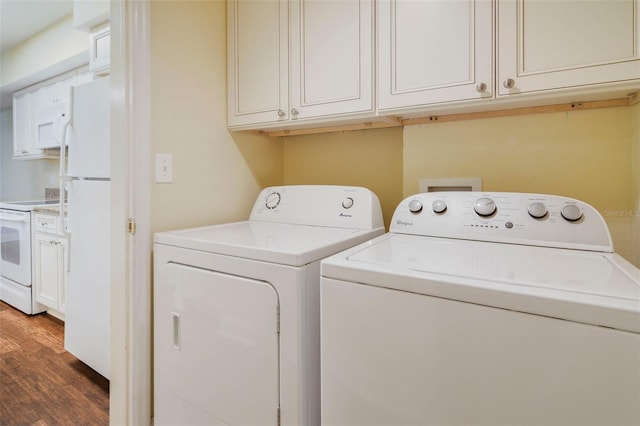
point(216, 348)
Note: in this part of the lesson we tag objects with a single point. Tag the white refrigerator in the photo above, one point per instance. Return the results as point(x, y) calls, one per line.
point(87, 180)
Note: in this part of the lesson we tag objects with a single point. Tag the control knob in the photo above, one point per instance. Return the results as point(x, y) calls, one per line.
point(439, 206)
point(571, 212)
point(415, 206)
point(347, 203)
point(484, 206)
point(537, 210)
point(272, 200)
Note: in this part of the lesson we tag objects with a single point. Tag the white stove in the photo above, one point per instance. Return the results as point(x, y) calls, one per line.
point(482, 308)
point(16, 286)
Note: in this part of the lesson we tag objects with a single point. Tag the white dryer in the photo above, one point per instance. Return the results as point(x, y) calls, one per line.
point(482, 309)
point(236, 308)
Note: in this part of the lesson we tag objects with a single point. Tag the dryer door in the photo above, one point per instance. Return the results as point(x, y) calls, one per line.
point(216, 348)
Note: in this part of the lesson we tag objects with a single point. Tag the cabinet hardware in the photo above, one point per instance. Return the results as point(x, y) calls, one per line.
point(294, 112)
point(481, 88)
point(281, 113)
point(509, 83)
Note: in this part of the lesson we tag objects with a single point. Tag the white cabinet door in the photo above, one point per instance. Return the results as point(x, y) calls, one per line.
point(290, 60)
point(64, 87)
point(100, 50)
point(48, 269)
point(566, 43)
point(21, 124)
point(47, 96)
point(25, 105)
point(331, 57)
point(257, 62)
point(434, 51)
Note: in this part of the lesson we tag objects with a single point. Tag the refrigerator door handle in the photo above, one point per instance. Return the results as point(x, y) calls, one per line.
point(64, 180)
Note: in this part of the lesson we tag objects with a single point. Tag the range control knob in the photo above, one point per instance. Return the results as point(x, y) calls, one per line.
point(272, 200)
point(571, 212)
point(347, 203)
point(439, 206)
point(415, 206)
point(537, 210)
point(484, 206)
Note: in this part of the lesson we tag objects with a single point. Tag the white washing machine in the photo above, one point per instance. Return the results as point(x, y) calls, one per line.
point(236, 308)
point(482, 309)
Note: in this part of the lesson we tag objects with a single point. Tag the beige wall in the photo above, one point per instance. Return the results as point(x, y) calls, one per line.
point(217, 175)
point(369, 158)
point(581, 154)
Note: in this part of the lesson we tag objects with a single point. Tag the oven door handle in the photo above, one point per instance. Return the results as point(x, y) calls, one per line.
point(8, 218)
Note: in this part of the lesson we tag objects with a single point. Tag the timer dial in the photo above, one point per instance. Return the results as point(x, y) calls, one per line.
point(571, 212)
point(439, 206)
point(415, 206)
point(484, 206)
point(272, 200)
point(347, 203)
point(537, 210)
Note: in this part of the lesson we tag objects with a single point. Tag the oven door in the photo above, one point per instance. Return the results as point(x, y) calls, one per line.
point(15, 249)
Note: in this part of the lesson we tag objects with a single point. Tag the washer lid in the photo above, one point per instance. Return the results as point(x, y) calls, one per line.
point(286, 244)
point(591, 287)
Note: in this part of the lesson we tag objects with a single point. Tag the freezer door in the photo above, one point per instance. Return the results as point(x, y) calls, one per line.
point(89, 136)
point(87, 317)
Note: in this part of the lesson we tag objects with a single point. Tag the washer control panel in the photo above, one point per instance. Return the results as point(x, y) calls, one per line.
point(319, 205)
point(516, 218)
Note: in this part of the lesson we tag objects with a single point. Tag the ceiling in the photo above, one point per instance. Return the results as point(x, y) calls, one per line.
point(20, 19)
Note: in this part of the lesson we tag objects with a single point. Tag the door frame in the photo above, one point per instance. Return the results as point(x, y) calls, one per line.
point(130, 387)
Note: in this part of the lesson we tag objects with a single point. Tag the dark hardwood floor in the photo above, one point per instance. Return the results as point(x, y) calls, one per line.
point(42, 384)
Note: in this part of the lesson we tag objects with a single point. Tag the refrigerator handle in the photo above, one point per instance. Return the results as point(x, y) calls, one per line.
point(64, 178)
point(63, 139)
point(63, 183)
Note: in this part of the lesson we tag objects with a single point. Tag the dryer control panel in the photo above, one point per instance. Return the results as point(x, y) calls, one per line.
point(516, 218)
point(319, 205)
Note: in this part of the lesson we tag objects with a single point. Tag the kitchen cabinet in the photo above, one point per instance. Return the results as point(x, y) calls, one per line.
point(100, 50)
point(547, 45)
point(53, 94)
point(50, 256)
point(25, 105)
point(21, 124)
point(434, 51)
point(299, 61)
point(439, 55)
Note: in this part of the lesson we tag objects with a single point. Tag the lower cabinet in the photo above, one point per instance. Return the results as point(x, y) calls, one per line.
point(51, 258)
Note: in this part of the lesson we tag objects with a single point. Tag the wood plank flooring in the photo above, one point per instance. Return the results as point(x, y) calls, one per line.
point(42, 384)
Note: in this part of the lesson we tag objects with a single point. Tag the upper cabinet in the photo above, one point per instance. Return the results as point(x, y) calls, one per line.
point(100, 50)
point(439, 55)
point(299, 60)
point(547, 45)
point(309, 63)
point(434, 51)
point(23, 145)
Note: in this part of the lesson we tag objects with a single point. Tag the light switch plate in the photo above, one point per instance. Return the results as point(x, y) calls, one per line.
point(164, 168)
